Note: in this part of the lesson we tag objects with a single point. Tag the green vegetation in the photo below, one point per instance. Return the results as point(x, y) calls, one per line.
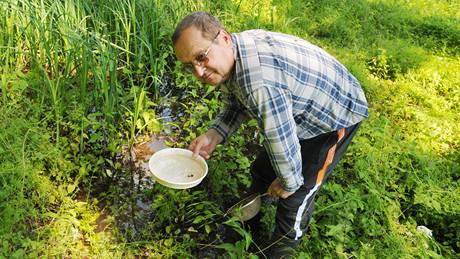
point(83, 82)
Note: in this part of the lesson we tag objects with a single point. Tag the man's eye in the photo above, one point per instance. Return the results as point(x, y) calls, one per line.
point(200, 57)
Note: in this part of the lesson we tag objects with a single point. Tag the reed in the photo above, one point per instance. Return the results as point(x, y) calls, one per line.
point(100, 49)
point(134, 119)
point(4, 87)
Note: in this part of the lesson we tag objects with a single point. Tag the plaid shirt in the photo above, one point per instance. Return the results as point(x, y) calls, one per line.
point(295, 90)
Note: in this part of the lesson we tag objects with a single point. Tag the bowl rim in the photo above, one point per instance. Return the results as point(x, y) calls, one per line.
point(183, 152)
point(242, 206)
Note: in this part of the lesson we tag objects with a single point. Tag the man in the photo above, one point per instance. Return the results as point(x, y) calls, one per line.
point(307, 105)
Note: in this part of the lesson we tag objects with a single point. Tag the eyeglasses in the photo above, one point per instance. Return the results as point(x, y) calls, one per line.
point(201, 58)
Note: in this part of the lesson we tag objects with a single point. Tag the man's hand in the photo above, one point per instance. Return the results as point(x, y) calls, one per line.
point(276, 190)
point(205, 144)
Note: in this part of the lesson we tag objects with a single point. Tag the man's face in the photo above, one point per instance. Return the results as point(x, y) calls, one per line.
point(217, 65)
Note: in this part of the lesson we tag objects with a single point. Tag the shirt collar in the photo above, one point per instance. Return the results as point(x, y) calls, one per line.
point(232, 79)
point(248, 71)
point(234, 47)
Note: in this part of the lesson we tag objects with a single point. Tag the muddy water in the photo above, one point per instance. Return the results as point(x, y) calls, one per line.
point(128, 197)
point(132, 204)
point(129, 200)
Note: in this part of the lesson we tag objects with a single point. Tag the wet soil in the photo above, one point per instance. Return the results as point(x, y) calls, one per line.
point(126, 194)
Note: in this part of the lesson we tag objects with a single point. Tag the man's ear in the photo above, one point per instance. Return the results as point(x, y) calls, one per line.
point(227, 38)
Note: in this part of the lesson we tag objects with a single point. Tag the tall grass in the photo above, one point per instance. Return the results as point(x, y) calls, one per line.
point(97, 48)
point(79, 56)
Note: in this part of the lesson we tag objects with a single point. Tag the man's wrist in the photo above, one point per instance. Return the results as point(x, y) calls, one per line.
point(290, 188)
point(215, 136)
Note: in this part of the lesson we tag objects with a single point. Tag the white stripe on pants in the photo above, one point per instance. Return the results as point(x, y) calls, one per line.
point(301, 210)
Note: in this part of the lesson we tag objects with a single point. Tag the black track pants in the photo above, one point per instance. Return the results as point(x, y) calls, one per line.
point(319, 156)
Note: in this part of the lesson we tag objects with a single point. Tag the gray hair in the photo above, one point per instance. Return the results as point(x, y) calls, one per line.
point(203, 21)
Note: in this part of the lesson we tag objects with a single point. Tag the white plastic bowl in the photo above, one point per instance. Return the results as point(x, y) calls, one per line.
point(177, 168)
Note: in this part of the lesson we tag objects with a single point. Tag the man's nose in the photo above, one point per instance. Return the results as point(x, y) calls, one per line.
point(199, 70)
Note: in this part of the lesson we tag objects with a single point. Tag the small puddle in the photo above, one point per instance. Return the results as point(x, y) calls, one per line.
point(127, 197)
point(135, 211)
point(141, 154)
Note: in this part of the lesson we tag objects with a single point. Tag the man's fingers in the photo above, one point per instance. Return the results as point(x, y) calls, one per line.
point(272, 192)
point(192, 145)
point(204, 154)
point(276, 190)
point(199, 143)
point(196, 149)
